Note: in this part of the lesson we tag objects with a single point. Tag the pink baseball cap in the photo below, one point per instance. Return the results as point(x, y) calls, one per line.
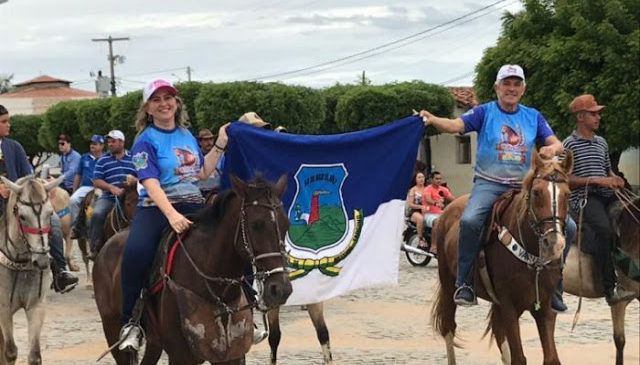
point(155, 85)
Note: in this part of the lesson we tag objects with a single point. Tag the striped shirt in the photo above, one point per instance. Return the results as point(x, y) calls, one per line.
point(113, 171)
point(590, 158)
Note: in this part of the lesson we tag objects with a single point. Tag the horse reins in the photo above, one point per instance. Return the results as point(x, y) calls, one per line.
point(261, 276)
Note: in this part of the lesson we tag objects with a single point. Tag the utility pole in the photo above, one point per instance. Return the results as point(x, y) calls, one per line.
point(188, 73)
point(112, 58)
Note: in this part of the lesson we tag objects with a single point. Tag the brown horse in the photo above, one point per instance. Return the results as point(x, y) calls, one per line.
point(201, 312)
point(122, 212)
point(534, 218)
point(317, 318)
point(586, 281)
point(118, 218)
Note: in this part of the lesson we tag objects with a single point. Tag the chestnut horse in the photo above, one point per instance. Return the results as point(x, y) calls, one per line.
point(533, 219)
point(316, 314)
point(584, 279)
point(201, 313)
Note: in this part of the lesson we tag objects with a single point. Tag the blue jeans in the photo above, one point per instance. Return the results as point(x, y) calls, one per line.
point(56, 244)
point(483, 194)
point(145, 233)
point(99, 212)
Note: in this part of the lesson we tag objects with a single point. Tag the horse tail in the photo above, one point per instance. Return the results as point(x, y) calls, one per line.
point(488, 330)
point(443, 309)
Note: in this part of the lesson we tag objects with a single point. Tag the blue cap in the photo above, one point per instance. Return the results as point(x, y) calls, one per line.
point(97, 138)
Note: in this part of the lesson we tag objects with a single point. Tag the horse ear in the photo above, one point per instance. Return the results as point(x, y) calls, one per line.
point(567, 163)
point(239, 186)
point(11, 185)
point(536, 161)
point(50, 185)
point(281, 185)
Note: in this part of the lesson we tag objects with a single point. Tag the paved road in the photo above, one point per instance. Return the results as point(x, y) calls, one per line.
point(387, 325)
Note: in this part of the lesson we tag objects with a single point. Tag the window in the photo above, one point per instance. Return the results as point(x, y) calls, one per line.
point(463, 149)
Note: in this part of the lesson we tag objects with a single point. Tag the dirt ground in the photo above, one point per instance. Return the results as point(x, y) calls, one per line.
point(385, 325)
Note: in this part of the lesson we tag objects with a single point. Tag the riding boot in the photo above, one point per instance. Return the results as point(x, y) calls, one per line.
point(556, 299)
point(63, 281)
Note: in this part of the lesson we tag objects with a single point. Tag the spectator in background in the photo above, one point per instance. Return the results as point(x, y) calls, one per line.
point(212, 182)
point(69, 161)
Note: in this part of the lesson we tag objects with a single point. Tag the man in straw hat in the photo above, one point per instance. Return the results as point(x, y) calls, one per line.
point(592, 179)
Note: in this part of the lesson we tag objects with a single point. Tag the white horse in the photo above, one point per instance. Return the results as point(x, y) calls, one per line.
point(24, 262)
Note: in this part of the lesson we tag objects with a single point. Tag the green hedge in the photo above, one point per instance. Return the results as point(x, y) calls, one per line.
point(300, 109)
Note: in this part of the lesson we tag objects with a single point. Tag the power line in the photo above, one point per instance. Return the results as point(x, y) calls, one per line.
point(376, 48)
point(347, 62)
point(457, 78)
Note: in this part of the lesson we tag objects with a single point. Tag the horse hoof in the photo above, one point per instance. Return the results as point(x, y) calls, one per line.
point(73, 267)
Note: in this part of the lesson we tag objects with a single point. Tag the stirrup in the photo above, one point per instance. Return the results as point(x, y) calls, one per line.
point(131, 338)
point(463, 301)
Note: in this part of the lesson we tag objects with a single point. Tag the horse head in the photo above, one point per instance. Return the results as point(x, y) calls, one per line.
point(27, 219)
point(262, 228)
point(130, 196)
point(547, 195)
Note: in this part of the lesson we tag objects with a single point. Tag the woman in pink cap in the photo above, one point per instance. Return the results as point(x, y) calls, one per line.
point(169, 162)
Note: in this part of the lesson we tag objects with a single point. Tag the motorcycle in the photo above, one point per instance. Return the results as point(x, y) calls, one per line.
point(416, 256)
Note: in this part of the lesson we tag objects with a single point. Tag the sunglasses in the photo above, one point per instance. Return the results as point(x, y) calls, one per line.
point(205, 138)
point(61, 143)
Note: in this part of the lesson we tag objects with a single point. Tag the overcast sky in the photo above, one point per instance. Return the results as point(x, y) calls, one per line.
point(247, 39)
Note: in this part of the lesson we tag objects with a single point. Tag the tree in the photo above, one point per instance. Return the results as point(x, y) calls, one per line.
point(93, 118)
point(59, 118)
point(5, 83)
point(22, 128)
point(570, 47)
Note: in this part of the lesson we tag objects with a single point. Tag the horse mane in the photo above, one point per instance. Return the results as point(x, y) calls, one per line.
point(212, 215)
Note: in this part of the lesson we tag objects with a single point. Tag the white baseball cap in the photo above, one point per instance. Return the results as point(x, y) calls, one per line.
point(510, 71)
point(155, 85)
point(115, 134)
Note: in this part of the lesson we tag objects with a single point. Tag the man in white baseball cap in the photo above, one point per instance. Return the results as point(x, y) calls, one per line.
point(507, 133)
point(510, 71)
point(115, 134)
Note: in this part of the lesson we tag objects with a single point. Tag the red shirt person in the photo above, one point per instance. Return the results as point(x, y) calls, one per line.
point(435, 195)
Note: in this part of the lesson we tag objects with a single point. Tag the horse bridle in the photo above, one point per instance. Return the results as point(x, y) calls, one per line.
point(247, 247)
point(537, 224)
point(24, 230)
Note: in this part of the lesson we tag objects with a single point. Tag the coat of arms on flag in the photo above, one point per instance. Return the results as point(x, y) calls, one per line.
point(318, 219)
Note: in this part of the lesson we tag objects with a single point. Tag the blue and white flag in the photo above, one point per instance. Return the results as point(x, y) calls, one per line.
point(344, 200)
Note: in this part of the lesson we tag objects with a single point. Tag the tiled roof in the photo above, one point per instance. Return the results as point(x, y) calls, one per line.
point(42, 79)
point(464, 96)
point(53, 92)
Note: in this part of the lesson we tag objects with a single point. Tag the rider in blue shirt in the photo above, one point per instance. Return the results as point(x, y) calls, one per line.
point(69, 160)
point(507, 133)
point(83, 180)
point(109, 173)
point(169, 163)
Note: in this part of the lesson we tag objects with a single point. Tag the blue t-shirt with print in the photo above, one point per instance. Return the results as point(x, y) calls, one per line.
point(505, 140)
point(172, 157)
